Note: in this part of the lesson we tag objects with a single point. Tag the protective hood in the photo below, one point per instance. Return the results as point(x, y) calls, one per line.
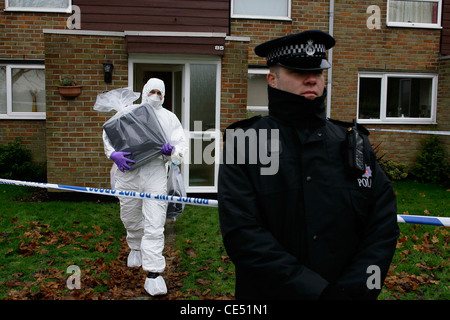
point(152, 84)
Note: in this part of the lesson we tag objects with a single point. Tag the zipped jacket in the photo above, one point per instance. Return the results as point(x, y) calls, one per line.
point(310, 221)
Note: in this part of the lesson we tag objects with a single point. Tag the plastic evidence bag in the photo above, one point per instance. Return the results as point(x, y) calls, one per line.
point(116, 99)
point(136, 129)
point(175, 187)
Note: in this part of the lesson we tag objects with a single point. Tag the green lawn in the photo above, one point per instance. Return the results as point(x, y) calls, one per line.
point(40, 240)
point(420, 269)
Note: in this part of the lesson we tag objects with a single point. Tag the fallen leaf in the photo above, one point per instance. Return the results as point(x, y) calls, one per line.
point(203, 282)
point(190, 252)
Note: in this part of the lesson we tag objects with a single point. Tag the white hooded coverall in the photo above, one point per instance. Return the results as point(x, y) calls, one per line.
point(144, 219)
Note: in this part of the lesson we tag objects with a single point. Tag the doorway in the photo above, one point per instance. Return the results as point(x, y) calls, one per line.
point(170, 74)
point(193, 94)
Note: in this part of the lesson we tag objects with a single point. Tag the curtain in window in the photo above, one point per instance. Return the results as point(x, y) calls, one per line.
point(2, 90)
point(413, 11)
point(271, 8)
point(39, 3)
point(28, 90)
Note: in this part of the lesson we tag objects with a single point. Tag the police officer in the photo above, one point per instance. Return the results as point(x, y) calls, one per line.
point(324, 225)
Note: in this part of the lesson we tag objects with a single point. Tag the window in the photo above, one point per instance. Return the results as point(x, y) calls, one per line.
point(261, 9)
point(418, 13)
point(203, 79)
point(39, 5)
point(257, 97)
point(22, 92)
point(397, 98)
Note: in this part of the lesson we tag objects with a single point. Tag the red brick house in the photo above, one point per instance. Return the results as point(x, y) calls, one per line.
point(390, 71)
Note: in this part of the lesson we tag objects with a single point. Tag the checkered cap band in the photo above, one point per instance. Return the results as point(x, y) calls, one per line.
point(303, 50)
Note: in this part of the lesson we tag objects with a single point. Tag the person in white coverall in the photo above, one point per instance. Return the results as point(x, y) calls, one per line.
point(144, 219)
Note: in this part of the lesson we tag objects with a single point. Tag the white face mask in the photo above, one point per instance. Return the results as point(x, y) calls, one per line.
point(155, 101)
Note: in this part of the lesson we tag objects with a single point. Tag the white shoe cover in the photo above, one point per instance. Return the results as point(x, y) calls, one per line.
point(134, 258)
point(156, 286)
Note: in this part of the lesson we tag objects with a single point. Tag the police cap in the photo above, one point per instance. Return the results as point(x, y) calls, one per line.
point(305, 51)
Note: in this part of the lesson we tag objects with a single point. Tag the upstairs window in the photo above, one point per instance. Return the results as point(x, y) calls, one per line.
point(39, 5)
point(261, 9)
point(397, 98)
point(414, 14)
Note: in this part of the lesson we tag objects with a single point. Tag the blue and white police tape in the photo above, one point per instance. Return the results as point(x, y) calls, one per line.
point(437, 221)
point(115, 193)
point(443, 133)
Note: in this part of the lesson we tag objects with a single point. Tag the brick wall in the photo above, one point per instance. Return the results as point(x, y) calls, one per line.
point(75, 153)
point(71, 136)
point(444, 100)
point(360, 49)
point(21, 32)
point(234, 83)
point(21, 38)
point(305, 15)
point(383, 50)
point(32, 134)
point(387, 49)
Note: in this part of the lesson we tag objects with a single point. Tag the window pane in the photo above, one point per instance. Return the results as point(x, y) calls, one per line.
point(201, 166)
point(369, 98)
point(257, 90)
point(28, 90)
point(270, 8)
point(413, 11)
point(409, 97)
point(2, 90)
point(39, 3)
point(203, 95)
point(178, 87)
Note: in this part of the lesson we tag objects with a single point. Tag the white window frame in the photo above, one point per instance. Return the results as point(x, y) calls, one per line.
point(258, 108)
point(19, 115)
point(384, 86)
point(68, 9)
point(248, 16)
point(437, 25)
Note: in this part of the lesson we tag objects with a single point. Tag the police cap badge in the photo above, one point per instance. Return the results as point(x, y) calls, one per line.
point(305, 51)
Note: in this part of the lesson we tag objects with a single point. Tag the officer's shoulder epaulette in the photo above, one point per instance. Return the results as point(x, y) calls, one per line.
point(360, 127)
point(244, 123)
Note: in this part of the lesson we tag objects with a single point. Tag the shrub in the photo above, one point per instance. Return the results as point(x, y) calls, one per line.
point(431, 163)
point(15, 163)
point(395, 171)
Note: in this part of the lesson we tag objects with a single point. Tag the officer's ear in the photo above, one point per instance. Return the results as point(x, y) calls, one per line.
point(272, 79)
point(273, 75)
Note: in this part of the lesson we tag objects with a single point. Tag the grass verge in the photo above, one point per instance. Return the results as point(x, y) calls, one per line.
point(40, 240)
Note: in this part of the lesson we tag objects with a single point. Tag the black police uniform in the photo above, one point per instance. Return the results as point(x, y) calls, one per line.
point(316, 227)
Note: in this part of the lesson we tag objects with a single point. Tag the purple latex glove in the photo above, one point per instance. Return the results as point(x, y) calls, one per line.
point(119, 158)
point(167, 149)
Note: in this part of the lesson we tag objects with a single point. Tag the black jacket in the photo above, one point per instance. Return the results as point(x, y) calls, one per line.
point(314, 224)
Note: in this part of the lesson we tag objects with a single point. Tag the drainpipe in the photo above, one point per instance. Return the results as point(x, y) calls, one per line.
point(330, 58)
